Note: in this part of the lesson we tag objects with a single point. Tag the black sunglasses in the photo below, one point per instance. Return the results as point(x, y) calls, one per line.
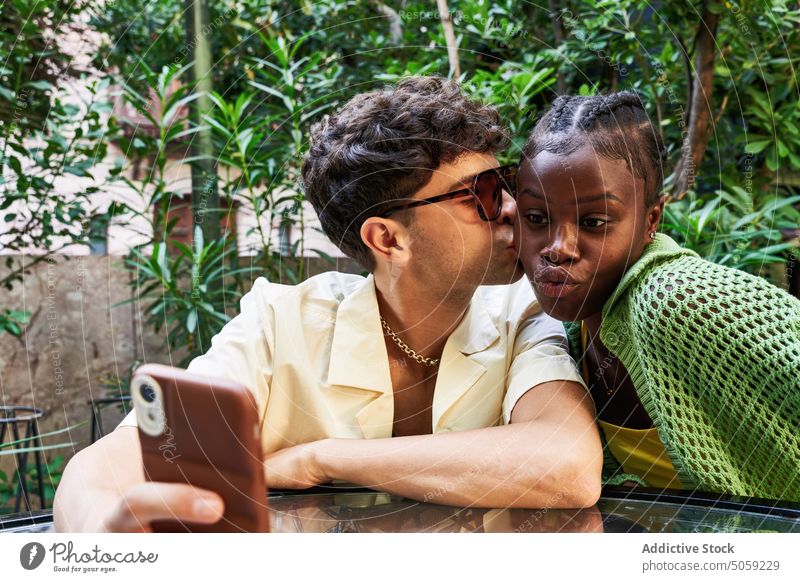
point(487, 187)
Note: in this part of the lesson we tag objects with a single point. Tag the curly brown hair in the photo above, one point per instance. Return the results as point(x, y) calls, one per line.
point(384, 146)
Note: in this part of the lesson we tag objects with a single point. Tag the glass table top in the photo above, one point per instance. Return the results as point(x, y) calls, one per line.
point(619, 510)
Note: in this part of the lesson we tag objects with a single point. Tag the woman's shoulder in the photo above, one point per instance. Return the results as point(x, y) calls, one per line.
point(687, 286)
point(702, 278)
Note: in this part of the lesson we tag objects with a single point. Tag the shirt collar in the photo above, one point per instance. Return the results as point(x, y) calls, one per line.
point(356, 340)
point(476, 331)
point(359, 358)
point(357, 333)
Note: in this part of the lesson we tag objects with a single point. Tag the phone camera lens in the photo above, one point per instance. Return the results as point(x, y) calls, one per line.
point(147, 393)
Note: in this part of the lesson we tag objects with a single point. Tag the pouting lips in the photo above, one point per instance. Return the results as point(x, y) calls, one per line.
point(552, 275)
point(553, 282)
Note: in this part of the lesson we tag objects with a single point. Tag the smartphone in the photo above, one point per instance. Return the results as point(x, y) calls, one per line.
point(205, 432)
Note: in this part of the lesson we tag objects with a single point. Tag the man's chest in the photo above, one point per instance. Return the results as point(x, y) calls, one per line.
point(370, 395)
point(413, 392)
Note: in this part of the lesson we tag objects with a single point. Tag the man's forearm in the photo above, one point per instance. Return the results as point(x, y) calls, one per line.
point(530, 464)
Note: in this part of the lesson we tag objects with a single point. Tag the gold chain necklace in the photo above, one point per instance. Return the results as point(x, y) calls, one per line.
point(419, 358)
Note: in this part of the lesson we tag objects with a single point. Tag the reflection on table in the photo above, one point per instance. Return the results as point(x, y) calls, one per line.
point(620, 510)
point(654, 511)
point(370, 512)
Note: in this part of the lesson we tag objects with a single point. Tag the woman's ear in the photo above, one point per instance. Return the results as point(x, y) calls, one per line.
point(653, 217)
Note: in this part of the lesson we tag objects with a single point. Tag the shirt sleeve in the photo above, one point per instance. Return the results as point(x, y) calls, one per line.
point(541, 354)
point(242, 350)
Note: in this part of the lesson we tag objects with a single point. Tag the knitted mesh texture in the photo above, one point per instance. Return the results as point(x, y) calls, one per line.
point(714, 354)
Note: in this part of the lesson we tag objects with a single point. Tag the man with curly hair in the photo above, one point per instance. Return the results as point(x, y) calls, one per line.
point(436, 377)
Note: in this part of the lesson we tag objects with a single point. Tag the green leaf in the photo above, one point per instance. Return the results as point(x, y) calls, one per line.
point(199, 243)
point(168, 116)
point(161, 261)
point(772, 161)
point(705, 215)
point(15, 164)
point(756, 146)
point(75, 171)
point(243, 140)
point(20, 316)
point(218, 126)
point(35, 449)
point(275, 93)
point(191, 321)
point(43, 435)
point(40, 85)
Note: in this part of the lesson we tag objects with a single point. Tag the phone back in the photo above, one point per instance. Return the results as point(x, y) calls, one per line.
point(208, 436)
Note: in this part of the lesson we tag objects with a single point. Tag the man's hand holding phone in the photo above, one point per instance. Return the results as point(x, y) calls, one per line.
point(95, 498)
point(151, 501)
point(201, 454)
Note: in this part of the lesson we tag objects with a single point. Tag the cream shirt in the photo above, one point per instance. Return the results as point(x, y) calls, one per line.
point(314, 356)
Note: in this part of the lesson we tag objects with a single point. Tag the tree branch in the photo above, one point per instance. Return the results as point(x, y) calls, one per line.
point(395, 22)
point(558, 30)
point(450, 38)
point(653, 83)
point(699, 119)
point(687, 61)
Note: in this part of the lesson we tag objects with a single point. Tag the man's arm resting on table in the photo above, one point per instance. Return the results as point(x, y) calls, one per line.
point(549, 456)
point(103, 489)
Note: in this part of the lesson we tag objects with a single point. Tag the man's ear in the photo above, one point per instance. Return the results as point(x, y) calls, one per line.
point(388, 240)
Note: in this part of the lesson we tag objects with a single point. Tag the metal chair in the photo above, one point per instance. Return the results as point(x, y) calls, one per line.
point(21, 422)
point(97, 405)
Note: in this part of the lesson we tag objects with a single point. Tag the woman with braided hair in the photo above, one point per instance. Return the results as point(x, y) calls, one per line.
point(694, 368)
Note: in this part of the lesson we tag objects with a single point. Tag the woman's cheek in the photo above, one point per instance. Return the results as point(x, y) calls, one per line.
point(518, 241)
point(528, 248)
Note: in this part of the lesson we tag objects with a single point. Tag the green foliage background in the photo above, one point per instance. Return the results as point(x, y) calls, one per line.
point(279, 66)
point(290, 62)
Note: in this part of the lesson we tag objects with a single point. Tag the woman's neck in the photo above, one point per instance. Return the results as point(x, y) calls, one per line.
point(593, 324)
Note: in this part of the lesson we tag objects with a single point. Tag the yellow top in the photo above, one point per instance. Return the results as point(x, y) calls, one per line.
point(642, 453)
point(639, 451)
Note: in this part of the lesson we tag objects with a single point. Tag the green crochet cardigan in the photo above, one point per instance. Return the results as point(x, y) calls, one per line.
point(714, 354)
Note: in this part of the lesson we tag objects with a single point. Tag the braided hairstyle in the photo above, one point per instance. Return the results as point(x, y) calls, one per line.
point(616, 126)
